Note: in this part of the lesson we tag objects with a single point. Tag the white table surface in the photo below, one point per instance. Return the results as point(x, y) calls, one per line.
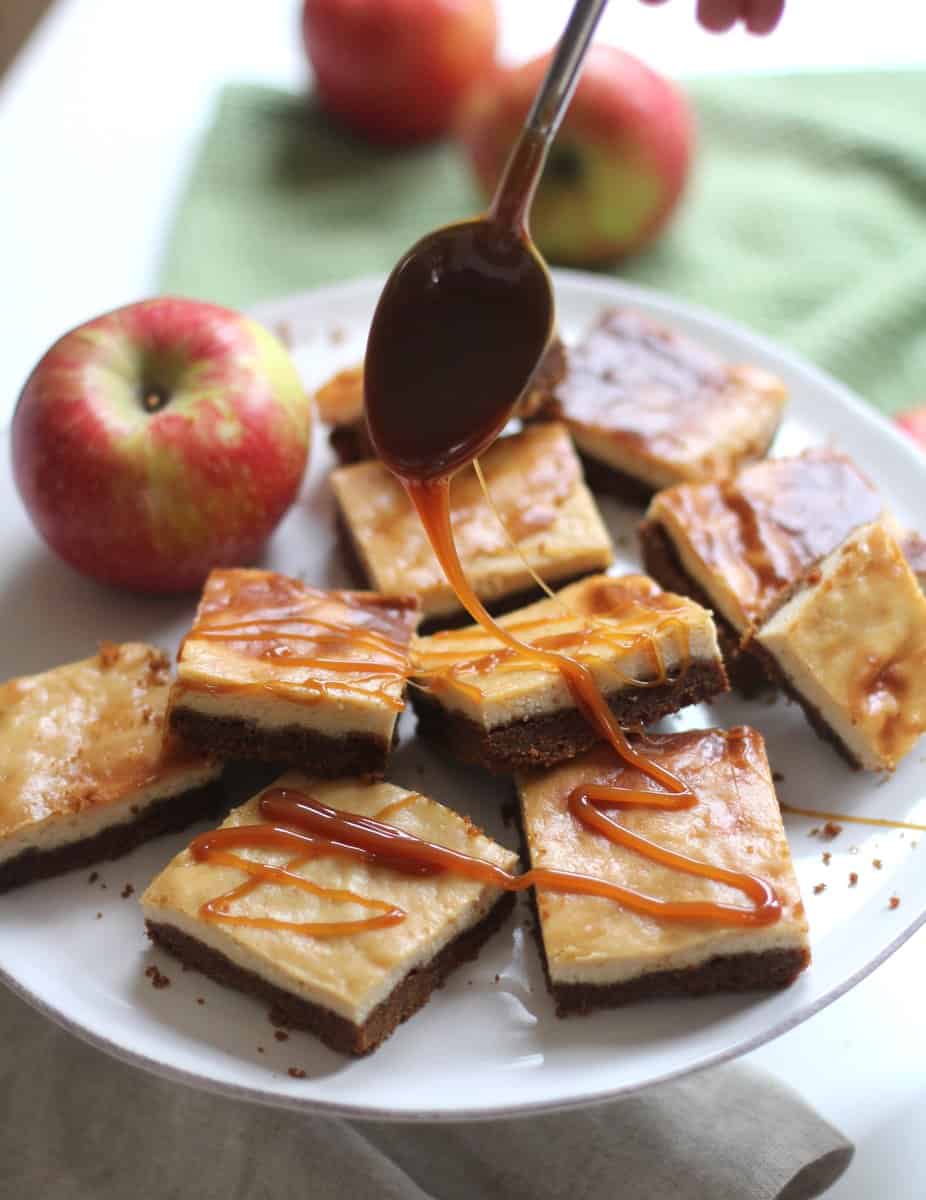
point(100, 118)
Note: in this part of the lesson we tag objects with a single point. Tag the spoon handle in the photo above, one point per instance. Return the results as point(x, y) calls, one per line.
point(561, 78)
point(515, 190)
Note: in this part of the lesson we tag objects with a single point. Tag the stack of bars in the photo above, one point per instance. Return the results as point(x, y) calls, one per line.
point(814, 589)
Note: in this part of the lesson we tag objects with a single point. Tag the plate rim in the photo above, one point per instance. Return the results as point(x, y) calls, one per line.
point(614, 291)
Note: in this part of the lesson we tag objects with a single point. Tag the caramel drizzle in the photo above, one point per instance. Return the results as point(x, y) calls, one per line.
point(883, 822)
point(442, 667)
point(270, 635)
point(432, 500)
point(309, 829)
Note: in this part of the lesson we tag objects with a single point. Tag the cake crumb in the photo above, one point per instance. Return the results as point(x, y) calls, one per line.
point(99, 916)
point(831, 830)
point(260, 1049)
point(109, 654)
point(94, 876)
point(894, 902)
point(777, 777)
point(296, 1072)
point(498, 978)
point(853, 878)
point(200, 1000)
point(103, 886)
point(281, 1036)
point(877, 864)
point(128, 890)
point(820, 887)
point(827, 858)
point(278, 1018)
point(158, 980)
point(813, 832)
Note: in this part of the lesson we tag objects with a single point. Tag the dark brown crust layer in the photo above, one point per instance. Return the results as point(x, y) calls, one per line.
point(764, 971)
point(316, 753)
point(558, 736)
point(334, 1030)
point(455, 620)
point(746, 670)
point(164, 816)
point(816, 719)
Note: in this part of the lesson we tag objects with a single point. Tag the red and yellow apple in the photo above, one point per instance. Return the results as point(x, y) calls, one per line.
point(396, 70)
point(913, 422)
point(618, 165)
point(161, 440)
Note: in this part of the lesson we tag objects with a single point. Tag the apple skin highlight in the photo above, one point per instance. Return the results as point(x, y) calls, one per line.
point(160, 440)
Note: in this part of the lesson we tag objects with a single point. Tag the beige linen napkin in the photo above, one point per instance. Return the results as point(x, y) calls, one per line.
point(77, 1125)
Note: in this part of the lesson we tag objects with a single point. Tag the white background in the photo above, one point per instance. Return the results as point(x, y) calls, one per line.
point(100, 118)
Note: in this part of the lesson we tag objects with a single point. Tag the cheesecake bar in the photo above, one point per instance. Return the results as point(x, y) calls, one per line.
point(649, 408)
point(352, 989)
point(740, 546)
point(535, 481)
point(598, 953)
point(340, 403)
point(85, 773)
point(650, 653)
point(274, 669)
point(850, 647)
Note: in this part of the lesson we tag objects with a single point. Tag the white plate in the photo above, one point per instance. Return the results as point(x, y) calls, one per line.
point(488, 1044)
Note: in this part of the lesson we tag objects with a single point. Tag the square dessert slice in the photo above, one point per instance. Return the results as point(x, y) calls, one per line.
point(274, 669)
point(351, 987)
point(535, 481)
point(740, 546)
point(340, 403)
point(649, 408)
point(850, 647)
point(599, 953)
point(85, 773)
point(650, 653)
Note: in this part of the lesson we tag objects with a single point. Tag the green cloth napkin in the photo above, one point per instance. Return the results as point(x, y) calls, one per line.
point(805, 219)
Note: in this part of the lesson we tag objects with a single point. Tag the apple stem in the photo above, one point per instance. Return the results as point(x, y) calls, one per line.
point(153, 401)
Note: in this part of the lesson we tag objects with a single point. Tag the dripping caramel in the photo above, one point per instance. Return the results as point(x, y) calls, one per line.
point(306, 828)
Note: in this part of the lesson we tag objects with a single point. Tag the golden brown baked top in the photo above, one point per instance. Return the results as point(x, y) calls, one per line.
point(85, 735)
point(633, 381)
point(261, 631)
point(755, 535)
point(736, 824)
point(535, 481)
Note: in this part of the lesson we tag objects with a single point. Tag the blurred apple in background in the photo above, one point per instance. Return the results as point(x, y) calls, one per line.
point(396, 70)
point(619, 162)
point(160, 440)
point(913, 422)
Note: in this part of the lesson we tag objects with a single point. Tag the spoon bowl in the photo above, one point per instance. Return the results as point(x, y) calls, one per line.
point(459, 329)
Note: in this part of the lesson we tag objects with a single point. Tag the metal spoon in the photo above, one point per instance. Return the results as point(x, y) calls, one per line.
point(467, 313)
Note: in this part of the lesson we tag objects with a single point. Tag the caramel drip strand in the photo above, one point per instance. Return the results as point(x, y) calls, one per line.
point(882, 822)
point(305, 825)
point(432, 500)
